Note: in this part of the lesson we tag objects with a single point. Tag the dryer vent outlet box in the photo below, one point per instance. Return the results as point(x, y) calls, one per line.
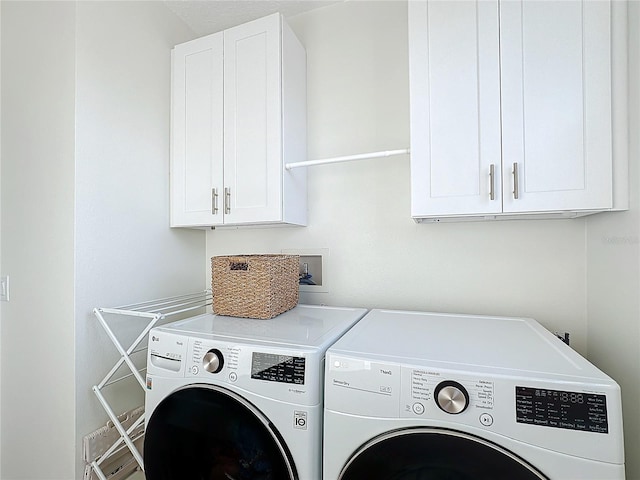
point(311, 268)
point(314, 273)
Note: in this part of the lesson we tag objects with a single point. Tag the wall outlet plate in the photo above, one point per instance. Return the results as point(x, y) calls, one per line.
point(316, 260)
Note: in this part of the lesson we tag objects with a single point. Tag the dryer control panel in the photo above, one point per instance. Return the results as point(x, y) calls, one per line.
point(581, 419)
point(435, 387)
point(383, 389)
point(562, 409)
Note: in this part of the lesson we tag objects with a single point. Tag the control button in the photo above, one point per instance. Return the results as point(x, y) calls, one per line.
point(233, 377)
point(486, 419)
point(195, 369)
point(451, 397)
point(418, 408)
point(213, 361)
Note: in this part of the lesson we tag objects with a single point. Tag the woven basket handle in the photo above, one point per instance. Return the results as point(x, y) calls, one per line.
point(238, 266)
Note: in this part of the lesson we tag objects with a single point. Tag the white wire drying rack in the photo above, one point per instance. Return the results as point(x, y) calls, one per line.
point(151, 312)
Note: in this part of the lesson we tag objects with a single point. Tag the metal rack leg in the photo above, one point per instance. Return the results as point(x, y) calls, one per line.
point(116, 423)
point(124, 354)
point(98, 470)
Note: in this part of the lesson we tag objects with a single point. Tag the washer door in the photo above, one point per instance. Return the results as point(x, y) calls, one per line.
point(435, 454)
point(204, 432)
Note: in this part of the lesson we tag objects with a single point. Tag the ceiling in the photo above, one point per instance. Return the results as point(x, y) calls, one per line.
point(209, 16)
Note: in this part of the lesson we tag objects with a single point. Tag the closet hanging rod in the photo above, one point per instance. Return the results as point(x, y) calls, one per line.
point(347, 158)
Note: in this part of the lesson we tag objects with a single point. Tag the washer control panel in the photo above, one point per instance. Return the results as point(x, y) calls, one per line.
point(277, 368)
point(212, 359)
point(269, 366)
point(282, 373)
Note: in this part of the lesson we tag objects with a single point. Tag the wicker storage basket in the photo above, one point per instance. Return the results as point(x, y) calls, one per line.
point(254, 286)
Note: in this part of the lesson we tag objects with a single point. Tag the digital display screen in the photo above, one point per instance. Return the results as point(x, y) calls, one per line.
point(277, 368)
point(562, 409)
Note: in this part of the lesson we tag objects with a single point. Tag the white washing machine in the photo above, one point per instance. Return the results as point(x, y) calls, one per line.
point(416, 396)
point(235, 399)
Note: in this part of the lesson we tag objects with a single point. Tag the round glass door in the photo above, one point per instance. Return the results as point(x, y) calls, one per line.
point(435, 454)
point(208, 433)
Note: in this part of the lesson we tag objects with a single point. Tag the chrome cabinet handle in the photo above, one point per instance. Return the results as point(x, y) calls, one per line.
point(214, 201)
point(515, 181)
point(227, 200)
point(492, 193)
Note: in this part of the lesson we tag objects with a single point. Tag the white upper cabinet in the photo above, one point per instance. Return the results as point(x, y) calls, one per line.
point(455, 107)
point(556, 104)
point(197, 132)
point(511, 108)
point(239, 114)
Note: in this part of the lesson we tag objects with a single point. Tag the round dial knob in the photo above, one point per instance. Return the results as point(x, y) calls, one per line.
point(451, 397)
point(212, 361)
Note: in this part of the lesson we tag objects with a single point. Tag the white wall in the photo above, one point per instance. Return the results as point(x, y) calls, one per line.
point(613, 267)
point(85, 212)
point(358, 101)
point(124, 248)
point(125, 251)
point(105, 193)
point(0, 240)
point(37, 239)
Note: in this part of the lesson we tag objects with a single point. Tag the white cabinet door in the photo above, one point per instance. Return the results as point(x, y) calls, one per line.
point(519, 88)
point(197, 143)
point(253, 122)
point(455, 108)
point(556, 105)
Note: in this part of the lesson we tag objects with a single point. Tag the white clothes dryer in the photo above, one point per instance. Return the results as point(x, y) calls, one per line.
point(417, 396)
point(235, 399)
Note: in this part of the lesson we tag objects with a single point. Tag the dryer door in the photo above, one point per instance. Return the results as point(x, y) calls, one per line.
point(204, 432)
point(435, 454)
